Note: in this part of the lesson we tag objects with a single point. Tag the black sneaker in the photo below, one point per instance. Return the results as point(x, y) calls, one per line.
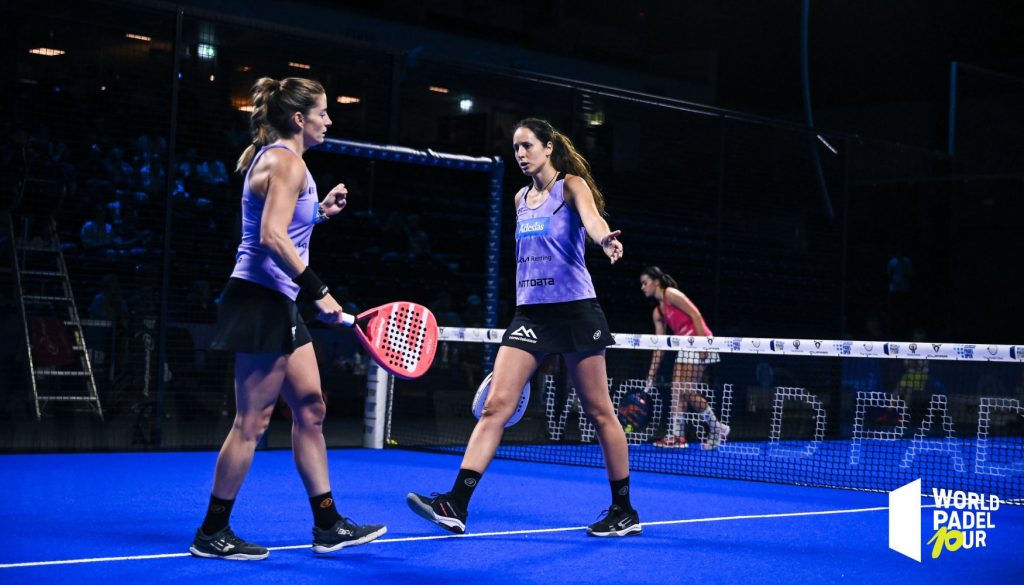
point(440, 510)
point(616, 522)
point(344, 533)
point(224, 544)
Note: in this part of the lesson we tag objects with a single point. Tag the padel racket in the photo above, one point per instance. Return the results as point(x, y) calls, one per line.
point(635, 411)
point(485, 389)
point(400, 336)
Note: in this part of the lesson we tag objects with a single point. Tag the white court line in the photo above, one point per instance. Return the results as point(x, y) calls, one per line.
point(471, 535)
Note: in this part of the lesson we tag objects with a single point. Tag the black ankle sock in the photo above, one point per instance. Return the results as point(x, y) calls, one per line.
point(324, 512)
point(465, 483)
point(217, 514)
point(620, 493)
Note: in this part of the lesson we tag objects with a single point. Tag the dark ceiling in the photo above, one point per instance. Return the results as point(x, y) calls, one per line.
point(861, 52)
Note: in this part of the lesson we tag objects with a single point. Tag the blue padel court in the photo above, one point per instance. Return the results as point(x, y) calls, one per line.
point(129, 518)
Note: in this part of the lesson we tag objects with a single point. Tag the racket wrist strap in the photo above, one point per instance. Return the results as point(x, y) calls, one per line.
point(311, 284)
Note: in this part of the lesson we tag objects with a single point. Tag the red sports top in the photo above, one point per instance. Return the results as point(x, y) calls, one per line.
point(678, 322)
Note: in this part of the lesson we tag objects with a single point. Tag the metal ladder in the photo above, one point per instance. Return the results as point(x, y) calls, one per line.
point(43, 291)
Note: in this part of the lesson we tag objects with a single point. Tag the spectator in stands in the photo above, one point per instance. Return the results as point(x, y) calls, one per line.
point(120, 172)
point(95, 183)
point(188, 163)
point(129, 235)
point(97, 233)
point(213, 172)
point(258, 318)
point(152, 173)
point(557, 313)
point(675, 314)
point(150, 144)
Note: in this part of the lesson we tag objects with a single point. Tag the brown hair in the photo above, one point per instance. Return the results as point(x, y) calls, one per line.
point(655, 273)
point(274, 102)
point(564, 156)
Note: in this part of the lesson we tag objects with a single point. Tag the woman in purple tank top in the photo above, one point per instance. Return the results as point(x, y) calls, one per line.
point(556, 312)
point(259, 321)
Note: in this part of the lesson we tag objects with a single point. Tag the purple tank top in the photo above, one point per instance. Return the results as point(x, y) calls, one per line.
point(253, 262)
point(550, 243)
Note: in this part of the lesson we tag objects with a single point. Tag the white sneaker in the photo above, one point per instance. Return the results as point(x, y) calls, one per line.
point(716, 437)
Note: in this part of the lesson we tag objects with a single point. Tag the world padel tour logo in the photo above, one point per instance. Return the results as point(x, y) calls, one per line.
point(960, 521)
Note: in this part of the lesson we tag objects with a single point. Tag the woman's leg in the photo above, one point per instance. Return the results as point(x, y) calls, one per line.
point(258, 380)
point(590, 375)
point(512, 369)
point(301, 391)
point(693, 373)
point(303, 394)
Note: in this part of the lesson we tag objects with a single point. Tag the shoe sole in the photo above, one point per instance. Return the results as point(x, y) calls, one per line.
point(427, 513)
point(321, 549)
point(634, 530)
point(235, 557)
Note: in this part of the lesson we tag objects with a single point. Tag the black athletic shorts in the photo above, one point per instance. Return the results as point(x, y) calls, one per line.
point(252, 318)
point(570, 327)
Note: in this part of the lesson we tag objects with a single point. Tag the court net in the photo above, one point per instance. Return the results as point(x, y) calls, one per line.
point(864, 415)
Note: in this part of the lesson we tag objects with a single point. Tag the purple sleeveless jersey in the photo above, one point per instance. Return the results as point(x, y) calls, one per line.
point(550, 243)
point(253, 262)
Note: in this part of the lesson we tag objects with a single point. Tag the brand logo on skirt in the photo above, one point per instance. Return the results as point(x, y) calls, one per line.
point(524, 334)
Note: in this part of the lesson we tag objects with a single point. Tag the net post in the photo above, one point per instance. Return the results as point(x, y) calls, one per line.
point(497, 174)
point(374, 410)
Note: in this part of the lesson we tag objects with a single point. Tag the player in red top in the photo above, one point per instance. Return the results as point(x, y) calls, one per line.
point(675, 314)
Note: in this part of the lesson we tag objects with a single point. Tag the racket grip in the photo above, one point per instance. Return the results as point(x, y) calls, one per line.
point(348, 320)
